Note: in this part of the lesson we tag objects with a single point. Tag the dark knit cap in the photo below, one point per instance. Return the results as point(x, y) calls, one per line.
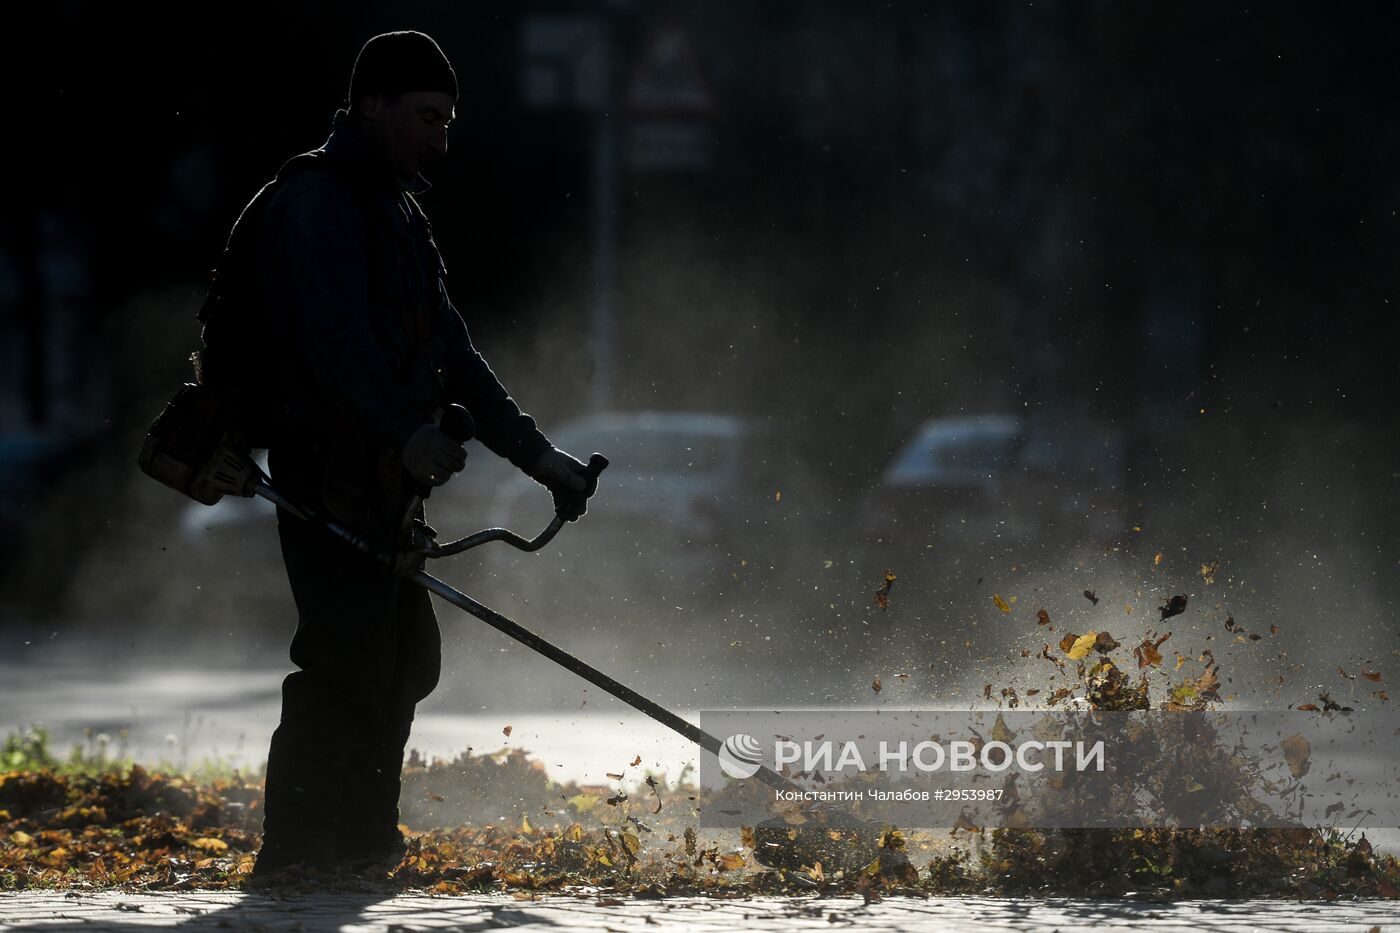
point(400, 62)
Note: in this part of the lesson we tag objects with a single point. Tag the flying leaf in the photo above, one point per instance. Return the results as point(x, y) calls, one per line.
point(875, 684)
point(731, 861)
point(1082, 646)
point(1208, 571)
point(1104, 643)
point(1330, 705)
point(1157, 561)
point(1001, 603)
point(1089, 595)
point(506, 731)
point(882, 595)
point(1174, 607)
point(1297, 752)
point(651, 782)
point(1147, 654)
point(1042, 618)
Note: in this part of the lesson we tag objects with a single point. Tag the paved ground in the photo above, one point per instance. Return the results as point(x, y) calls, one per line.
point(365, 913)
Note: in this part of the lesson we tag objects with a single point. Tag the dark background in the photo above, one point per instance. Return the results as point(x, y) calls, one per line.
point(1175, 219)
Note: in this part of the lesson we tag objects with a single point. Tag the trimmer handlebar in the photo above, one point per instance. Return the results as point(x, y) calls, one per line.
point(596, 464)
point(457, 424)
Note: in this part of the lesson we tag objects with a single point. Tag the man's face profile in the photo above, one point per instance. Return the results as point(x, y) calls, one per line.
point(409, 128)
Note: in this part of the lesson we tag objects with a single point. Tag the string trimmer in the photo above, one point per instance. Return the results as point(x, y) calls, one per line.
point(191, 450)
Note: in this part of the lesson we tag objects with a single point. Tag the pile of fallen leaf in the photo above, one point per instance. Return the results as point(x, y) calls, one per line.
point(148, 831)
point(519, 832)
point(157, 832)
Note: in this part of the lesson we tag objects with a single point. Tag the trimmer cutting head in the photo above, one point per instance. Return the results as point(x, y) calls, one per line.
point(837, 840)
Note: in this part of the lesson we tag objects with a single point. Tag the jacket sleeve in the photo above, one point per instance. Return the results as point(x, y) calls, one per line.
point(500, 424)
point(314, 268)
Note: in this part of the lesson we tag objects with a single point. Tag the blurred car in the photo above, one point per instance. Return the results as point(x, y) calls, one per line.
point(967, 481)
point(688, 500)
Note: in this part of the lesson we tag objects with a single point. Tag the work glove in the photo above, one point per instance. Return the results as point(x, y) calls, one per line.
point(431, 457)
point(567, 480)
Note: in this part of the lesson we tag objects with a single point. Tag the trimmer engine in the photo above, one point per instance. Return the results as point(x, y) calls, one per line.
point(191, 447)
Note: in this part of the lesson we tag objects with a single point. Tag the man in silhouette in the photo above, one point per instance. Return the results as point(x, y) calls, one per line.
point(343, 258)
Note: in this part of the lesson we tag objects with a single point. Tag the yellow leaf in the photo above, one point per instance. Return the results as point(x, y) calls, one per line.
point(731, 861)
point(583, 803)
point(1157, 561)
point(525, 826)
point(210, 844)
point(21, 838)
point(1082, 646)
point(1193, 787)
point(1001, 603)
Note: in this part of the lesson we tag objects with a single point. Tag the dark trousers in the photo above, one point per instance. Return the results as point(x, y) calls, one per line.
point(368, 650)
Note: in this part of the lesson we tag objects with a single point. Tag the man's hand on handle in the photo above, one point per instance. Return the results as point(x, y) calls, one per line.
point(431, 457)
point(567, 479)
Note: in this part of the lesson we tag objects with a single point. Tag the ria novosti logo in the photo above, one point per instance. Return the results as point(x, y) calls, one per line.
point(740, 756)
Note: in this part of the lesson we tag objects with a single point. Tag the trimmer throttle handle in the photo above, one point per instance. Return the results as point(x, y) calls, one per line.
point(596, 464)
point(457, 423)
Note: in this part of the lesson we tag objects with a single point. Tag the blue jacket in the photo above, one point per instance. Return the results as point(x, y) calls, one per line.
point(349, 266)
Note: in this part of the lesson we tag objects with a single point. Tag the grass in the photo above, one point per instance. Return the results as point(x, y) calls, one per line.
point(31, 750)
